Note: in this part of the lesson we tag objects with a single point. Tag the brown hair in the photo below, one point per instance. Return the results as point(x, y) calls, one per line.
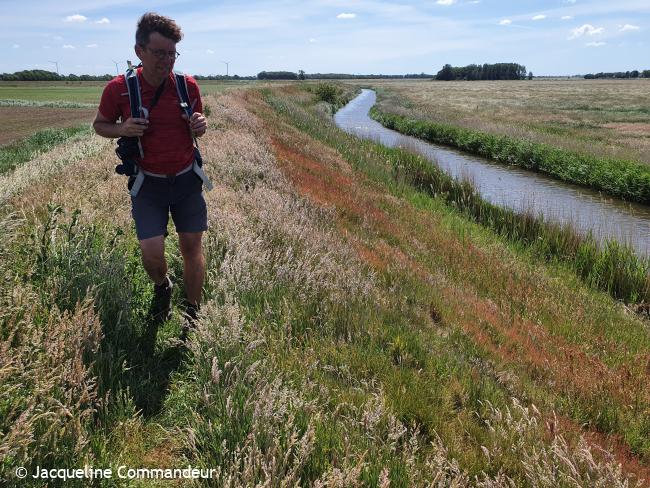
point(153, 22)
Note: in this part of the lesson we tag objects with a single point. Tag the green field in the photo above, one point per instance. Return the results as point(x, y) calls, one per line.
point(88, 91)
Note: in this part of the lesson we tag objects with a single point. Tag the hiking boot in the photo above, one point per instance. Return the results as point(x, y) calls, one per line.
point(161, 309)
point(190, 316)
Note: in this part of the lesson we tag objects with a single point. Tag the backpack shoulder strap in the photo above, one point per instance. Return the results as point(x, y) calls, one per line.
point(183, 93)
point(135, 98)
point(133, 87)
point(184, 97)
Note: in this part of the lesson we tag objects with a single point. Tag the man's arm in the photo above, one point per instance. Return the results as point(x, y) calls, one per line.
point(132, 127)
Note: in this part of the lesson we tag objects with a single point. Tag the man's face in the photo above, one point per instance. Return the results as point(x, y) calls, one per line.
point(159, 55)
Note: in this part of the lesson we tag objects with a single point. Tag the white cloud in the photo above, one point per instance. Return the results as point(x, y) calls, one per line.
point(46, 47)
point(91, 45)
point(628, 27)
point(446, 2)
point(16, 46)
point(345, 15)
point(586, 29)
point(68, 46)
point(539, 17)
point(103, 20)
point(312, 40)
point(57, 38)
point(595, 44)
point(76, 18)
point(505, 22)
point(209, 51)
point(567, 17)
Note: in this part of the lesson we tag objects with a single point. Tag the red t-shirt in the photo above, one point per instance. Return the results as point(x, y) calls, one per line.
point(167, 142)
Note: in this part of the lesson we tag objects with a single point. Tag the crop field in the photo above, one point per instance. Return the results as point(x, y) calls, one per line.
point(356, 330)
point(597, 117)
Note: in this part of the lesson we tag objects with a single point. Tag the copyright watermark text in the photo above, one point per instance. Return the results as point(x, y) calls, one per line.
point(121, 472)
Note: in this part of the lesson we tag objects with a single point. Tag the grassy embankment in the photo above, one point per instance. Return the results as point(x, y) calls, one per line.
point(356, 331)
point(404, 168)
point(612, 267)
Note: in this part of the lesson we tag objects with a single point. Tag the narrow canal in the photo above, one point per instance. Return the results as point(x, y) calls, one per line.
point(509, 186)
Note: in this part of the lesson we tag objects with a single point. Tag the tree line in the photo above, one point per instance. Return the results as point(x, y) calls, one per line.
point(498, 71)
point(472, 72)
point(43, 75)
point(301, 75)
point(619, 74)
point(223, 77)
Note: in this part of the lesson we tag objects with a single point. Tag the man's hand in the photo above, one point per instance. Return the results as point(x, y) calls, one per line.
point(133, 127)
point(198, 124)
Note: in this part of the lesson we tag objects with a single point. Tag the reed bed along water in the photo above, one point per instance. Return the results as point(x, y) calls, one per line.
point(624, 179)
point(309, 366)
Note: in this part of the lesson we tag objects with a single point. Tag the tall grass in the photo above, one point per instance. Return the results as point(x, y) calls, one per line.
point(43, 164)
point(625, 179)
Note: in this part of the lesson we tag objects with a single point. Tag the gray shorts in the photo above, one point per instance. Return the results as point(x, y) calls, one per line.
point(181, 195)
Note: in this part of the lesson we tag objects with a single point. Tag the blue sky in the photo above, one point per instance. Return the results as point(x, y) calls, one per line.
point(365, 36)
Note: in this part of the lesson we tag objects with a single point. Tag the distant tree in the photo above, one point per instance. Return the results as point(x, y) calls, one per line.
point(301, 75)
point(634, 74)
point(446, 73)
point(498, 71)
point(277, 75)
point(646, 73)
point(530, 75)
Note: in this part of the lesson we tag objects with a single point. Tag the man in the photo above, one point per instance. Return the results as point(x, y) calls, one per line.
point(169, 184)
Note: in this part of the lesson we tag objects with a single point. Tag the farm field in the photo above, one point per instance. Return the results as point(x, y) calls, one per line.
point(17, 123)
point(87, 92)
point(604, 118)
point(356, 330)
point(26, 107)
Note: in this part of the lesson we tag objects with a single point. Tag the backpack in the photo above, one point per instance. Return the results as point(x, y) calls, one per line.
point(128, 148)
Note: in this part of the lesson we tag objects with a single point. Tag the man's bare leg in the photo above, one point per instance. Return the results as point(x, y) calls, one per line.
point(153, 258)
point(193, 265)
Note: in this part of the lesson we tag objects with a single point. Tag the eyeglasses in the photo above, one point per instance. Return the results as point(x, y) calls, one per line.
point(162, 54)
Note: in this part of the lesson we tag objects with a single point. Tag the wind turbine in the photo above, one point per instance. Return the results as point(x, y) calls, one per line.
point(57, 65)
point(117, 67)
point(226, 63)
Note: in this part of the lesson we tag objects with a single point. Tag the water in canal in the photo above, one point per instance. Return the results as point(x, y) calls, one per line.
point(509, 186)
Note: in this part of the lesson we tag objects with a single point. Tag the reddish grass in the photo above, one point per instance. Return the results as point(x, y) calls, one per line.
point(514, 341)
